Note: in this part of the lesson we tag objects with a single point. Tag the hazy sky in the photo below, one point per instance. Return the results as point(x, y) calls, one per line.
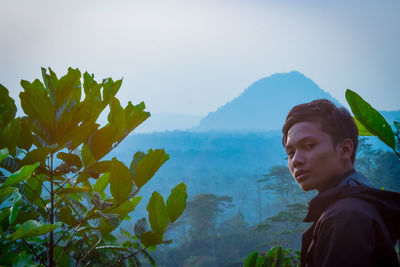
point(190, 57)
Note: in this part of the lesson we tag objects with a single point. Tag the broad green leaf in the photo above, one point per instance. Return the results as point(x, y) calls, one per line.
point(71, 159)
point(10, 136)
point(73, 190)
point(158, 214)
point(116, 118)
point(14, 212)
point(176, 202)
point(24, 215)
point(134, 115)
point(136, 200)
point(23, 174)
point(88, 82)
point(251, 259)
point(50, 82)
point(108, 225)
point(38, 106)
point(111, 218)
point(68, 88)
point(26, 139)
point(24, 259)
point(32, 228)
point(7, 107)
point(99, 167)
point(148, 166)
point(4, 215)
point(373, 121)
point(36, 155)
point(92, 105)
point(100, 143)
point(121, 181)
point(33, 189)
point(149, 239)
point(110, 89)
point(3, 154)
point(15, 207)
point(83, 177)
point(123, 209)
point(139, 155)
point(6, 192)
point(81, 134)
point(86, 155)
point(362, 131)
point(64, 260)
point(101, 183)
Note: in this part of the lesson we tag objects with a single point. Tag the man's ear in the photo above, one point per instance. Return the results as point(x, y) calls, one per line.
point(346, 149)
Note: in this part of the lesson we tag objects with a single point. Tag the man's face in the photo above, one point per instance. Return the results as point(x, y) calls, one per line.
point(312, 158)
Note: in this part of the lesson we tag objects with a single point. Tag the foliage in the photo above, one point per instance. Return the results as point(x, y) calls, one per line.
point(60, 200)
point(279, 180)
point(202, 212)
point(370, 122)
point(275, 257)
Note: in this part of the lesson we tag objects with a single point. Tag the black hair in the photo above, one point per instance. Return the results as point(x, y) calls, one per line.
point(335, 121)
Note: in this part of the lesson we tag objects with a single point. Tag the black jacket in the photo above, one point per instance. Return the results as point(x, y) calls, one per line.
point(353, 225)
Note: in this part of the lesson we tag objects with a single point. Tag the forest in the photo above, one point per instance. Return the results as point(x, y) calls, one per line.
point(224, 240)
point(68, 200)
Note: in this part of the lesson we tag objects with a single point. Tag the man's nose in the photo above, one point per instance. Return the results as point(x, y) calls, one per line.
point(298, 159)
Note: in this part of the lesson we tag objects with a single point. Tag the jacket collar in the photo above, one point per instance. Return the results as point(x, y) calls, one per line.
point(332, 192)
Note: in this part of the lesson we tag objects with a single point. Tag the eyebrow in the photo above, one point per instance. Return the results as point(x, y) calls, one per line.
point(301, 140)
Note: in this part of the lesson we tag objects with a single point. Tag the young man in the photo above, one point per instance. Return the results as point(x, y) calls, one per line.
point(353, 224)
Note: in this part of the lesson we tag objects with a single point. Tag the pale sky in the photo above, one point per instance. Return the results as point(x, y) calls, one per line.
point(190, 57)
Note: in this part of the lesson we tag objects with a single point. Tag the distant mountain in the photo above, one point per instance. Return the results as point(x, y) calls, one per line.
point(160, 122)
point(264, 104)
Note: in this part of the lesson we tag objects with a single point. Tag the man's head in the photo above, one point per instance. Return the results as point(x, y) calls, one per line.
point(321, 142)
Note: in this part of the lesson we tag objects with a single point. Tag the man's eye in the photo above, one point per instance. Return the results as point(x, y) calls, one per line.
point(310, 146)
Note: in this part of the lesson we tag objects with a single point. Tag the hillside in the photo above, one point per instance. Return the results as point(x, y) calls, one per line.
point(264, 104)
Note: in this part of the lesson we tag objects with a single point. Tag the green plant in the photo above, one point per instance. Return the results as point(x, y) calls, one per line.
point(60, 202)
point(275, 257)
point(370, 122)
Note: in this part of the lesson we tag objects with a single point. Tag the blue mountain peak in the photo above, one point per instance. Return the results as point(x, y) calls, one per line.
point(263, 106)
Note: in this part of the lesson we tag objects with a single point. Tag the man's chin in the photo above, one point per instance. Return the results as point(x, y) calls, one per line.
point(306, 187)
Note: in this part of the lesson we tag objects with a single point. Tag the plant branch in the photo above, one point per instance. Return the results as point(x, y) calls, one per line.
point(89, 251)
point(51, 245)
point(34, 176)
point(62, 236)
point(127, 257)
point(34, 252)
point(69, 241)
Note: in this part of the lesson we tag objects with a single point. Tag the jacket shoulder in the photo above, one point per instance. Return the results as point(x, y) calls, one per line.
point(350, 207)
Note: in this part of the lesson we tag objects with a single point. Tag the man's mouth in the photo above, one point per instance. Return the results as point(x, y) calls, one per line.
point(301, 175)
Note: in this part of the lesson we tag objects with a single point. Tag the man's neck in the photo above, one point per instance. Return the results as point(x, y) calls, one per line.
point(336, 180)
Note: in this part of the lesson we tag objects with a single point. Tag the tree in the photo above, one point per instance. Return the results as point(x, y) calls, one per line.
point(202, 212)
point(280, 181)
point(57, 194)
